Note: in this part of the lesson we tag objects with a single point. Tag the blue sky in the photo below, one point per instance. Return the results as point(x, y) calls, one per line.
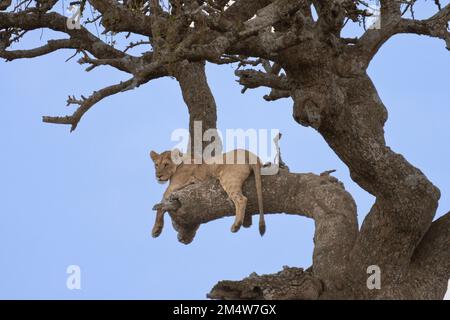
point(85, 198)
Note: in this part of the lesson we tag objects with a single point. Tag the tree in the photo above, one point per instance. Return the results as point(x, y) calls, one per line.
point(295, 48)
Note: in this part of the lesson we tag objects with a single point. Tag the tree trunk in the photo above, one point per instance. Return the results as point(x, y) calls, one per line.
point(397, 235)
point(200, 101)
point(349, 114)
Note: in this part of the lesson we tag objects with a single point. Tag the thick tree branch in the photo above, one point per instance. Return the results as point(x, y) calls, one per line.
point(142, 68)
point(57, 22)
point(118, 18)
point(270, 15)
point(390, 9)
point(321, 198)
point(372, 40)
point(331, 15)
point(253, 38)
point(436, 26)
point(288, 284)
point(242, 10)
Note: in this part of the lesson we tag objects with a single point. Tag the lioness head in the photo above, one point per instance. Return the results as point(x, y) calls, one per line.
point(165, 167)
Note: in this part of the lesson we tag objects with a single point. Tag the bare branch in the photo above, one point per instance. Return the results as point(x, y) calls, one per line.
point(114, 62)
point(254, 79)
point(142, 75)
point(243, 61)
point(57, 22)
point(51, 46)
point(136, 44)
point(86, 103)
point(279, 84)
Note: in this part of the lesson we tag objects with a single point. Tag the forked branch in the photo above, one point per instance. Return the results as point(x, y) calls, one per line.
point(86, 103)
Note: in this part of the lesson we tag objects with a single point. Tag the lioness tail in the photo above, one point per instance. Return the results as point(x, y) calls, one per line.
point(257, 172)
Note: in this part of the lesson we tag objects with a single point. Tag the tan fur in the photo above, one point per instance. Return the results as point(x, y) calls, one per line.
point(230, 175)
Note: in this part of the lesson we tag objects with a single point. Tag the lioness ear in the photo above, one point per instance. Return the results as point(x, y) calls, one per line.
point(178, 152)
point(176, 156)
point(154, 155)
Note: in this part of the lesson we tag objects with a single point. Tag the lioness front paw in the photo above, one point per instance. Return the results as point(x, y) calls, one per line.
point(156, 231)
point(235, 227)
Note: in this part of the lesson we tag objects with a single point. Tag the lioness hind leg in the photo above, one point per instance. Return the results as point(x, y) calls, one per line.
point(240, 202)
point(247, 220)
point(231, 181)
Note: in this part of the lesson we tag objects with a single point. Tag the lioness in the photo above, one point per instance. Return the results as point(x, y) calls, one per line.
point(231, 169)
